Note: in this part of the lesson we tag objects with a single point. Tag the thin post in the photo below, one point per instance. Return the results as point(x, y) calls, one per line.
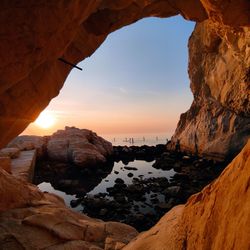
point(69, 63)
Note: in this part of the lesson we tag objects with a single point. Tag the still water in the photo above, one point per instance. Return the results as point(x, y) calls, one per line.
point(138, 139)
point(143, 170)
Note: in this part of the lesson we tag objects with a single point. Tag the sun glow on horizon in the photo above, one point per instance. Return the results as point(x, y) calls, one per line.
point(45, 120)
point(144, 93)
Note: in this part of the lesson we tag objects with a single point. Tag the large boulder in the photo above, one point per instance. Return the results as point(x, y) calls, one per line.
point(79, 146)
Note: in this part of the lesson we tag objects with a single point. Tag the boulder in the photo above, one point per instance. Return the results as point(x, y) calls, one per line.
point(79, 146)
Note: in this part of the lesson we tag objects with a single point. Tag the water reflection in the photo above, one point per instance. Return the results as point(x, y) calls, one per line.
point(72, 183)
point(69, 179)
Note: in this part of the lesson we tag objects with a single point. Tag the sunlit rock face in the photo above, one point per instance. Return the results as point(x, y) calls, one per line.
point(218, 122)
point(79, 146)
point(216, 218)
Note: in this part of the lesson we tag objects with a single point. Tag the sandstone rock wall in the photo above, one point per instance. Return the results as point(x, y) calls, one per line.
point(216, 218)
point(218, 122)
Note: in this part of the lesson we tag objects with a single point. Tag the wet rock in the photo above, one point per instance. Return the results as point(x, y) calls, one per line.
point(164, 163)
point(153, 195)
point(177, 167)
point(163, 205)
point(181, 176)
point(130, 168)
point(172, 191)
point(154, 200)
point(120, 198)
point(143, 198)
point(160, 148)
point(65, 182)
point(186, 157)
point(130, 175)
point(119, 180)
point(75, 203)
point(135, 179)
point(100, 195)
point(103, 212)
point(120, 186)
point(136, 207)
point(135, 188)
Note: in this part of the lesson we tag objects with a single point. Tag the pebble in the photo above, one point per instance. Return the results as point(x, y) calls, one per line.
point(130, 175)
point(119, 180)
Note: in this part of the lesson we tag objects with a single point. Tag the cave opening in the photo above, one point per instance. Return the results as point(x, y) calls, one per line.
point(135, 85)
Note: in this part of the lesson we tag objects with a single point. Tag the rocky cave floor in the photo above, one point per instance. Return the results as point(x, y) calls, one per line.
point(142, 203)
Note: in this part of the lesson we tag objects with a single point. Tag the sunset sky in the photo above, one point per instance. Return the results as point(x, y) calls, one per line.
point(136, 82)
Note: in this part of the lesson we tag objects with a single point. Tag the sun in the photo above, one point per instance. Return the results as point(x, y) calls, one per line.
point(45, 120)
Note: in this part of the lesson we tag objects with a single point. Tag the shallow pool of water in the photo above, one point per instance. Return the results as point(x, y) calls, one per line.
point(142, 170)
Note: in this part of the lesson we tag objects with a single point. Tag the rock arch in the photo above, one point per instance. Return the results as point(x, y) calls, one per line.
point(35, 35)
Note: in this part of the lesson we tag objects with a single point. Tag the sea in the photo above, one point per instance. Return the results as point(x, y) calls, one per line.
point(137, 139)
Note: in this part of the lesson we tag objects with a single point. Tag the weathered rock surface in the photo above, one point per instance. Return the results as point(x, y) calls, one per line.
point(29, 142)
point(10, 152)
point(218, 122)
point(216, 218)
point(30, 219)
point(23, 167)
point(80, 146)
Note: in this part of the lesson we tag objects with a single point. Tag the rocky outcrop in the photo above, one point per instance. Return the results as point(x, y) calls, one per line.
point(30, 219)
point(218, 122)
point(10, 152)
point(29, 142)
point(216, 218)
point(80, 146)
